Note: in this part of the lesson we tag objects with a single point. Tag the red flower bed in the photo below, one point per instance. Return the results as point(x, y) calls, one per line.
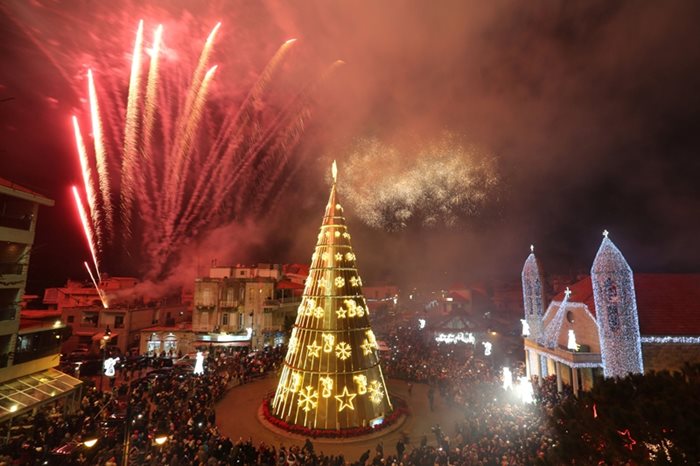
point(400, 409)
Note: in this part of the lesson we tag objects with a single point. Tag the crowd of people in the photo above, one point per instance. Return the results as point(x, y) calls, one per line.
point(496, 429)
point(142, 405)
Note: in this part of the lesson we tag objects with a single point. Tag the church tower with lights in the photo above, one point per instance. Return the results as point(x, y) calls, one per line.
point(331, 377)
point(533, 297)
point(616, 311)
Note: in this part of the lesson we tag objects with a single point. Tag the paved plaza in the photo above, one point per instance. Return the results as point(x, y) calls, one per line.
point(236, 416)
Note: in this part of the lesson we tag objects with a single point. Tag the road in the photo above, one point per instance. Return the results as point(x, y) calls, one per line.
point(236, 416)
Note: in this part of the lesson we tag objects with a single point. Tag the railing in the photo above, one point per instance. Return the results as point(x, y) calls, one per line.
point(8, 312)
point(36, 353)
point(11, 268)
point(20, 223)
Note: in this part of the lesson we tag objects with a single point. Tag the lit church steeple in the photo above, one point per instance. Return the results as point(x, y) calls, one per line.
point(616, 311)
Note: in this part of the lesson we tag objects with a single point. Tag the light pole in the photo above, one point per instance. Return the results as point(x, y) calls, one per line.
point(105, 339)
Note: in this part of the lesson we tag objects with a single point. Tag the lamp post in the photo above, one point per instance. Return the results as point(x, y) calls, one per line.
point(105, 340)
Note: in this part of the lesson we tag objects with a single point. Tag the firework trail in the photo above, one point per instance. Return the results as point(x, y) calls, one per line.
point(435, 184)
point(87, 229)
point(100, 153)
point(87, 177)
point(100, 293)
point(184, 163)
point(133, 109)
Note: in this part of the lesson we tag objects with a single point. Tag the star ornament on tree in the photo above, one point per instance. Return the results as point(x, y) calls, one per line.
point(367, 347)
point(342, 350)
point(345, 399)
point(341, 313)
point(338, 257)
point(312, 350)
point(308, 399)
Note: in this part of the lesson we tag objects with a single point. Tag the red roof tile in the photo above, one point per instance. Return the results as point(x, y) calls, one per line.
point(667, 304)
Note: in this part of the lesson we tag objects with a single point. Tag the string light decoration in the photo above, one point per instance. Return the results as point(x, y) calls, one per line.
point(616, 312)
point(551, 332)
point(533, 296)
point(331, 377)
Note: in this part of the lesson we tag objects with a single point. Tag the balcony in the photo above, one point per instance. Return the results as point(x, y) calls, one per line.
point(23, 222)
point(8, 312)
point(11, 268)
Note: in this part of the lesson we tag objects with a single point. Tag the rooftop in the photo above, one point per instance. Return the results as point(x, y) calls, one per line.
point(667, 304)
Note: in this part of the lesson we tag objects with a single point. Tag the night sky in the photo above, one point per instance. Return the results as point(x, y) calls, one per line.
point(588, 110)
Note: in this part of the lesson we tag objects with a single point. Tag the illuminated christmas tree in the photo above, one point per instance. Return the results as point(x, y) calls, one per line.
point(331, 377)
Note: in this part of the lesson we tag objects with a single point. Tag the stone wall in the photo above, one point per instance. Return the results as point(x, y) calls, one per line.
point(658, 357)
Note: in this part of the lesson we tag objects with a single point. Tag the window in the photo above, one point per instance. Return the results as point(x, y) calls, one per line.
point(118, 321)
point(613, 298)
point(224, 318)
point(241, 320)
point(70, 319)
point(90, 318)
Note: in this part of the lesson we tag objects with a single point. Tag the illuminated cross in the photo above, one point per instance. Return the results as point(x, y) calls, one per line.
point(605, 233)
point(532, 248)
point(567, 292)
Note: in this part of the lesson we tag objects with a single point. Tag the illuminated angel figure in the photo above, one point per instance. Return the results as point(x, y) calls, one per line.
point(199, 363)
point(361, 381)
point(308, 399)
point(292, 346)
point(327, 383)
point(342, 350)
point(328, 342)
point(109, 366)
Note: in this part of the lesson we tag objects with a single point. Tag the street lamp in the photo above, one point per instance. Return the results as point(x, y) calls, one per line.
point(103, 343)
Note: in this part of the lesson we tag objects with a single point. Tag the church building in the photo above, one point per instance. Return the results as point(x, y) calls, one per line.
point(611, 323)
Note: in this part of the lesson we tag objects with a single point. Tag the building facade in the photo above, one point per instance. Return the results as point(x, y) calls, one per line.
point(28, 354)
point(82, 310)
point(251, 301)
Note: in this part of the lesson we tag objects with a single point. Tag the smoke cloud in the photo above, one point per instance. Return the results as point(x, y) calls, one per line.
point(590, 109)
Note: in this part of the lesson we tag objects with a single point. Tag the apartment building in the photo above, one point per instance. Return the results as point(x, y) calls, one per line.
point(28, 355)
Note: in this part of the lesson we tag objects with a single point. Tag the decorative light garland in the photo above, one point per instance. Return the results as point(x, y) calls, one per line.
point(452, 338)
point(664, 340)
point(566, 362)
point(616, 311)
point(551, 332)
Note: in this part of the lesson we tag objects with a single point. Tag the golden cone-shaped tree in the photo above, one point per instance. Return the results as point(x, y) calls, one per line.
point(331, 377)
